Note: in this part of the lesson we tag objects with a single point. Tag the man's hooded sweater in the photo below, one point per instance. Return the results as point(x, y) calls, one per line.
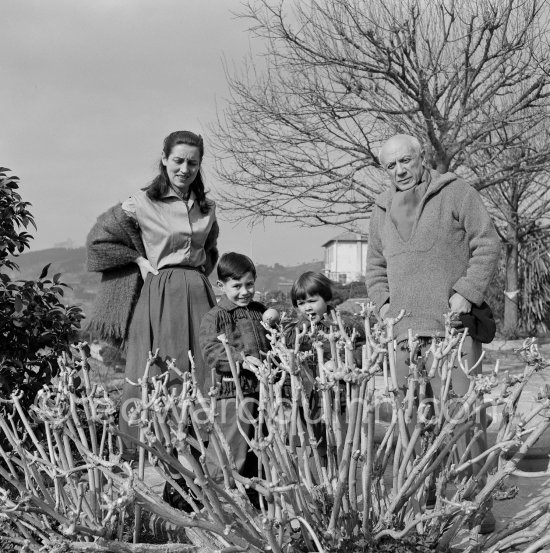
point(453, 247)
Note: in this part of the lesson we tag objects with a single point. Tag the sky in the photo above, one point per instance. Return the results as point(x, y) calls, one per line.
point(90, 88)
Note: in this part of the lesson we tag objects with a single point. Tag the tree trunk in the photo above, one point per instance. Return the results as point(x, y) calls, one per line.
point(511, 287)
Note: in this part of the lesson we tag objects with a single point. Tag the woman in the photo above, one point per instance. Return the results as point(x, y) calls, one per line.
point(157, 247)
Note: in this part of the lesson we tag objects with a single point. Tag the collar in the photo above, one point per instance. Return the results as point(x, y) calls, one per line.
point(437, 181)
point(171, 193)
point(228, 305)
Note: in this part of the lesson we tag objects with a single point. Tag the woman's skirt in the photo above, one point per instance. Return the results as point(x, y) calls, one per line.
point(167, 316)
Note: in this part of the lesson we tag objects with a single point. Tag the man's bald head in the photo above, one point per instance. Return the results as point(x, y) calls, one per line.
point(400, 139)
point(402, 156)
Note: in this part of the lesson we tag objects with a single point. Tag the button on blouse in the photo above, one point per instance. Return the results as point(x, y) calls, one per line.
point(173, 231)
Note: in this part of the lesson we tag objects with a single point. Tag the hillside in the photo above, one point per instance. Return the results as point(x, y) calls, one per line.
point(71, 263)
point(279, 277)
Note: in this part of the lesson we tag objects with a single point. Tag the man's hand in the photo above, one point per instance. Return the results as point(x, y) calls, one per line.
point(145, 267)
point(459, 304)
point(384, 310)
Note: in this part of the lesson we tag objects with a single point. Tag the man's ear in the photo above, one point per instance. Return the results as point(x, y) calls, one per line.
point(423, 156)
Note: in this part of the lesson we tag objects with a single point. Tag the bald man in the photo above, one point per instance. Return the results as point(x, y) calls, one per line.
point(432, 249)
point(432, 245)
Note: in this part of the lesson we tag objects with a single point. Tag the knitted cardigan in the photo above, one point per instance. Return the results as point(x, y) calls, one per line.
point(113, 245)
point(453, 247)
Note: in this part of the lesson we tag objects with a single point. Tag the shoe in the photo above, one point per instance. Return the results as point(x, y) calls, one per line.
point(488, 523)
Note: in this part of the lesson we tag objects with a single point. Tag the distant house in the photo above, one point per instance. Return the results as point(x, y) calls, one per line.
point(346, 257)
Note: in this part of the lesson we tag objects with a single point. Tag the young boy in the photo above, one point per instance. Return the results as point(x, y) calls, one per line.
point(239, 317)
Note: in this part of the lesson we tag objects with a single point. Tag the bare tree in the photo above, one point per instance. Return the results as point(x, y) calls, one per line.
point(521, 211)
point(299, 138)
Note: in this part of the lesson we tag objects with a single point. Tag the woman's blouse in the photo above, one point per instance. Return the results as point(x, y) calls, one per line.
point(173, 231)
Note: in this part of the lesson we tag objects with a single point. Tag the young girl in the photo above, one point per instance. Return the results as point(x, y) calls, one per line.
point(311, 295)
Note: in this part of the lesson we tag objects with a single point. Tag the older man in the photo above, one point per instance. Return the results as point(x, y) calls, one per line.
point(432, 249)
point(432, 245)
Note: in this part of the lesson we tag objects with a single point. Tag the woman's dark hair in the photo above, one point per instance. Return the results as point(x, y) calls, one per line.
point(235, 265)
point(310, 284)
point(161, 183)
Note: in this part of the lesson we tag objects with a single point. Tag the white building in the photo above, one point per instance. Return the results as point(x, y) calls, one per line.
point(346, 257)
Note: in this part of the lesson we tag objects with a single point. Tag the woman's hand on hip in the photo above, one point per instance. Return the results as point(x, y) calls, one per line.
point(459, 304)
point(384, 309)
point(145, 267)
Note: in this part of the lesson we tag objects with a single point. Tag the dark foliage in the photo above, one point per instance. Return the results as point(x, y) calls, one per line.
point(343, 292)
point(13, 215)
point(35, 325)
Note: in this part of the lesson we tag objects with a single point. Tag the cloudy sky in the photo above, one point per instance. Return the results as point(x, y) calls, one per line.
point(89, 89)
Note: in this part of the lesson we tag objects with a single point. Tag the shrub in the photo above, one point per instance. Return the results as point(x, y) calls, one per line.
point(35, 325)
point(343, 292)
point(369, 493)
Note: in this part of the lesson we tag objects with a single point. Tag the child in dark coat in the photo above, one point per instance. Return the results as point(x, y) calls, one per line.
point(239, 317)
point(311, 295)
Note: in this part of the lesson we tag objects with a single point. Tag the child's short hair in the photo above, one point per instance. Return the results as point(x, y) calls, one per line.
point(235, 265)
point(310, 284)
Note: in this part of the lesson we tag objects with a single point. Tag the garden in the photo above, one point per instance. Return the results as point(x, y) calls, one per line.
point(344, 461)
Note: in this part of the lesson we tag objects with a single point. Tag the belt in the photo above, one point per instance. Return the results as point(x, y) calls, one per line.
point(188, 267)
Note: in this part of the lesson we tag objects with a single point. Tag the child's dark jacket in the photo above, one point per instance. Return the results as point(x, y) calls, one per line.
point(350, 323)
point(243, 329)
point(294, 327)
point(310, 367)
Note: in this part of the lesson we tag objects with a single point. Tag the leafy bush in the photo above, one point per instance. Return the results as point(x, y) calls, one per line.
point(343, 292)
point(35, 325)
point(13, 215)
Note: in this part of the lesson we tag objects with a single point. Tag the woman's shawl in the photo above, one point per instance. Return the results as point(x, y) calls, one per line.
point(113, 244)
